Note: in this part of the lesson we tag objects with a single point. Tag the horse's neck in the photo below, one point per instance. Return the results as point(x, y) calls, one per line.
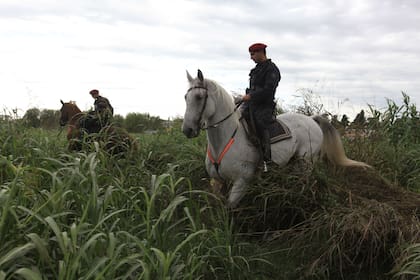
point(220, 135)
point(77, 114)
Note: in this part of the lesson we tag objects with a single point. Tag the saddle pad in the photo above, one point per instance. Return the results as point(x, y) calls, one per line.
point(279, 131)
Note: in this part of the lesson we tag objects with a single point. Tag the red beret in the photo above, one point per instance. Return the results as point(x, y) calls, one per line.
point(257, 47)
point(94, 91)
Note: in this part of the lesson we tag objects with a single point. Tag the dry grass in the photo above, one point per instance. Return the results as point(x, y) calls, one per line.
point(336, 223)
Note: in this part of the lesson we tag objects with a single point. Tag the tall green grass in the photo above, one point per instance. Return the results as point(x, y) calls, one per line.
point(150, 215)
point(91, 216)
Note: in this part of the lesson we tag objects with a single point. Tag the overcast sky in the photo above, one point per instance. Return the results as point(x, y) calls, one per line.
point(350, 53)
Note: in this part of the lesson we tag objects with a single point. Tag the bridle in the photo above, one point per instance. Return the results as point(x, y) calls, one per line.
point(216, 124)
point(68, 122)
point(216, 161)
point(205, 101)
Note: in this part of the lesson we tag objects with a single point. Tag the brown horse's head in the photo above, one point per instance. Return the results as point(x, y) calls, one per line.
point(68, 113)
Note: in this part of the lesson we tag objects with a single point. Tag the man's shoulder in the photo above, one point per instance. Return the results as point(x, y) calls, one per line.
point(272, 64)
point(273, 68)
point(102, 99)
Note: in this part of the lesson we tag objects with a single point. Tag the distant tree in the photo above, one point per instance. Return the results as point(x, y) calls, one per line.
point(374, 122)
point(345, 121)
point(49, 119)
point(176, 123)
point(135, 122)
point(335, 122)
point(360, 120)
point(154, 123)
point(32, 117)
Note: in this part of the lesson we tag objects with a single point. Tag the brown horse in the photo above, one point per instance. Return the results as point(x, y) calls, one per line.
point(115, 140)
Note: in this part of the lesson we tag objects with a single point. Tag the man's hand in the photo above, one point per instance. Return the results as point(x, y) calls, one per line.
point(237, 99)
point(246, 97)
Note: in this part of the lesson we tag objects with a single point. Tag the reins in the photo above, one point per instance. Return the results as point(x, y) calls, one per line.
point(216, 124)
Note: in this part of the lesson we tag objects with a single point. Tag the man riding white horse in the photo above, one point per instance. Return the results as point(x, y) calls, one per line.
point(232, 157)
point(259, 106)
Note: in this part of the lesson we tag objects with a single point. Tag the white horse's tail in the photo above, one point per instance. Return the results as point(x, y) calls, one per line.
point(332, 146)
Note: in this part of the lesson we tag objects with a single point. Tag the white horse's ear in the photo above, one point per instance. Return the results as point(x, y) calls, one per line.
point(200, 75)
point(190, 79)
point(61, 101)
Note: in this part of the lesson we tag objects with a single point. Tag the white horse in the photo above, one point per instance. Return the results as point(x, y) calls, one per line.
point(232, 157)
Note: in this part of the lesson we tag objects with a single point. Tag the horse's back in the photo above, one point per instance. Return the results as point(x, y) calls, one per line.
point(306, 137)
point(300, 123)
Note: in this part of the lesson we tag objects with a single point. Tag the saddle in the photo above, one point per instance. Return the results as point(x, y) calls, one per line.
point(89, 124)
point(278, 131)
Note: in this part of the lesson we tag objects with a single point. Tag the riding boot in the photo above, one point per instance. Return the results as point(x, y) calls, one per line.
point(266, 147)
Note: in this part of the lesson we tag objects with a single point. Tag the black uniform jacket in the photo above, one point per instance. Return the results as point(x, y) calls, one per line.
point(263, 81)
point(101, 104)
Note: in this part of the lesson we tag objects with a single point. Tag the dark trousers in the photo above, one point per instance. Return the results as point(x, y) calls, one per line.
point(261, 119)
point(90, 123)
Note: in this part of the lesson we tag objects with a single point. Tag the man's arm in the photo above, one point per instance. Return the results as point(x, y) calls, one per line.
point(262, 94)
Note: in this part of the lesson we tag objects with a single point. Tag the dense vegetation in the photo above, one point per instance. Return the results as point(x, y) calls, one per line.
point(151, 215)
point(132, 122)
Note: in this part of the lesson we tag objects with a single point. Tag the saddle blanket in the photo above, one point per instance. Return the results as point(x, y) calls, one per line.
point(279, 131)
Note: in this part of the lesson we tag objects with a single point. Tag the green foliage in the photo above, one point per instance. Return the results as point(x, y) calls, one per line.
point(138, 123)
point(398, 123)
point(46, 118)
point(49, 119)
point(90, 215)
point(32, 117)
point(360, 120)
point(410, 262)
point(86, 215)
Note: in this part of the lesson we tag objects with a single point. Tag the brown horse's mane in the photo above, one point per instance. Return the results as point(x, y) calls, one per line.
point(74, 113)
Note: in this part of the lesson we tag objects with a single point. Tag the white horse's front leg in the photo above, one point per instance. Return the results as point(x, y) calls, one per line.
point(238, 191)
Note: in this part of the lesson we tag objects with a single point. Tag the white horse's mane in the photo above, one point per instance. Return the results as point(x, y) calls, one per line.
point(219, 91)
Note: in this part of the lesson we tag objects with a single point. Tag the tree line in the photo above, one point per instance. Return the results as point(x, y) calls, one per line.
point(132, 122)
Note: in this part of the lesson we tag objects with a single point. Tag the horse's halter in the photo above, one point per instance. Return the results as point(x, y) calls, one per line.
point(63, 120)
point(204, 104)
point(216, 124)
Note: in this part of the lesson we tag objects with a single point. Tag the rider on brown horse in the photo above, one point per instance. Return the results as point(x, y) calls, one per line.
point(100, 117)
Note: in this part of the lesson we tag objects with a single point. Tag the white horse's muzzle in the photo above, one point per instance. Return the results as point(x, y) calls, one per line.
point(190, 132)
